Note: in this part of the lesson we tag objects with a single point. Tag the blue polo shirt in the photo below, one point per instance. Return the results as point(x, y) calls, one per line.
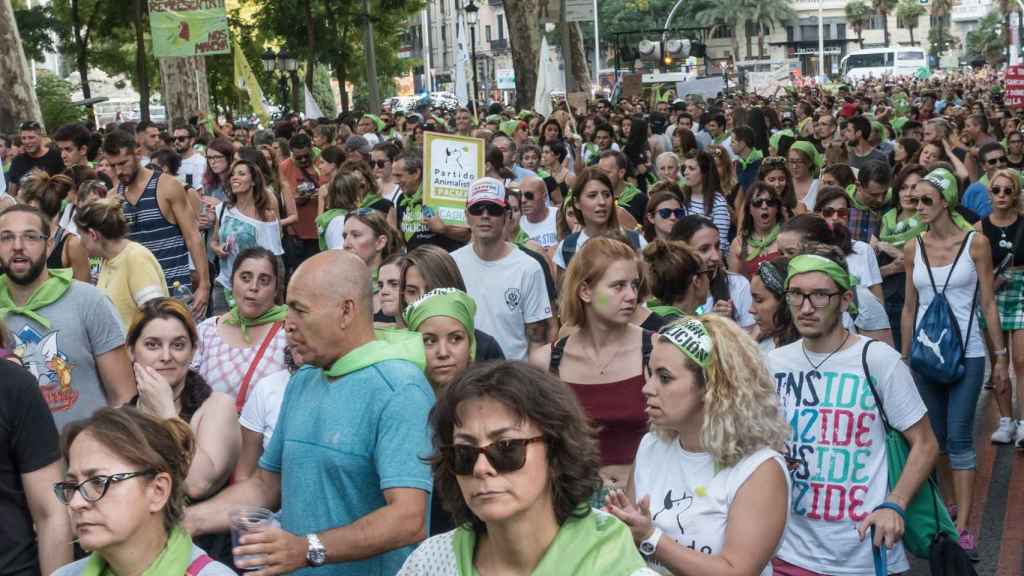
point(339, 443)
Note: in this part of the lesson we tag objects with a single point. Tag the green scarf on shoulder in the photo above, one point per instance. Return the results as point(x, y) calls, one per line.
point(721, 137)
point(323, 221)
point(369, 200)
point(897, 232)
point(628, 194)
point(390, 344)
point(47, 293)
point(754, 156)
point(755, 246)
point(174, 559)
point(235, 318)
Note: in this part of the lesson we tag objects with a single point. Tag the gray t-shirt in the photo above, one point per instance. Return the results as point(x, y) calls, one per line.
point(211, 569)
point(83, 324)
point(874, 155)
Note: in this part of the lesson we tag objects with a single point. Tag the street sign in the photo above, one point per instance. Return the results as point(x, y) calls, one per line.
point(579, 10)
point(1013, 87)
point(505, 78)
point(188, 28)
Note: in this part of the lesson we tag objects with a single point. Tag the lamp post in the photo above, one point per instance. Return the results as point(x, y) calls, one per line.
point(284, 62)
point(472, 18)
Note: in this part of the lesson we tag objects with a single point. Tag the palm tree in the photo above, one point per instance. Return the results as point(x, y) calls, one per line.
point(724, 14)
point(940, 11)
point(857, 14)
point(910, 12)
point(883, 8)
point(765, 14)
point(987, 39)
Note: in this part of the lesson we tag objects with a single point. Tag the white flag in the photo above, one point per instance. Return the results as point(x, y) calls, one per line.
point(461, 58)
point(312, 110)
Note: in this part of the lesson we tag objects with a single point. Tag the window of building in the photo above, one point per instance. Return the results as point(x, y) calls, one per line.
point(841, 31)
point(790, 34)
point(875, 22)
point(722, 32)
point(501, 26)
point(487, 32)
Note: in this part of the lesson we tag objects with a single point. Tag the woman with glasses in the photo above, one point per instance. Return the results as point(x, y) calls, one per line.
point(833, 205)
point(702, 192)
point(125, 489)
point(899, 225)
point(804, 162)
point(220, 155)
point(516, 465)
point(709, 492)
point(774, 319)
point(1004, 229)
point(760, 223)
point(382, 156)
point(1015, 150)
point(968, 282)
point(664, 209)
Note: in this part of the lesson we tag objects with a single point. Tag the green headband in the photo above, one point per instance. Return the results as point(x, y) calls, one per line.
point(377, 122)
point(813, 263)
point(691, 337)
point(774, 139)
point(945, 182)
point(508, 127)
point(450, 302)
point(811, 152)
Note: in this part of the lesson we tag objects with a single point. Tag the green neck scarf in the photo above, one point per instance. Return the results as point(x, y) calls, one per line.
point(755, 246)
point(851, 193)
point(754, 156)
point(47, 293)
point(721, 137)
point(410, 202)
point(897, 232)
point(235, 318)
point(450, 302)
point(369, 200)
point(521, 238)
point(628, 194)
point(390, 344)
point(323, 221)
point(174, 559)
point(594, 544)
point(805, 263)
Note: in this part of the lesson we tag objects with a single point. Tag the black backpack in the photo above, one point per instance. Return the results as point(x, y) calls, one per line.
point(570, 242)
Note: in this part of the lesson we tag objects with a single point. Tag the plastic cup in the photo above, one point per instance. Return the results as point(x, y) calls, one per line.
point(247, 520)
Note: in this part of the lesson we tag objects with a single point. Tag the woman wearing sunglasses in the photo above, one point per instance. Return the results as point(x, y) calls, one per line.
point(760, 222)
point(1015, 150)
point(664, 209)
point(833, 205)
point(382, 156)
point(516, 465)
point(709, 491)
point(899, 225)
point(125, 493)
point(968, 289)
point(1004, 229)
point(769, 308)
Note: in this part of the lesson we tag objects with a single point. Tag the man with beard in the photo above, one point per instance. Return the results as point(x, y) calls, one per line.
point(34, 154)
point(193, 164)
point(839, 415)
point(66, 332)
point(160, 218)
point(147, 139)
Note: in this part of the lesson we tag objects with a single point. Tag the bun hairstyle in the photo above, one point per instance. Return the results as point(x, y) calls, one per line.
point(104, 216)
point(813, 228)
point(49, 192)
point(147, 442)
point(671, 267)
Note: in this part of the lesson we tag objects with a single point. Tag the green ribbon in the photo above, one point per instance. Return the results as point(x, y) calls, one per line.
point(758, 245)
point(390, 344)
point(47, 293)
point(945, 182)
point(174, 559)
point(323, 221)
point(811, 152)
point(628, 194)
point(235, 318)
point(450, 302)
point(851, 193)
point(805, 263)
point(369, 200)
point(897, 232)
point(754, 156)
point(691, 337)
point(773, 140)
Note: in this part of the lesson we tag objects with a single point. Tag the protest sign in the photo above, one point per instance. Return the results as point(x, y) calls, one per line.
point(450, 164)
point(182, 28)
point(1013, 87)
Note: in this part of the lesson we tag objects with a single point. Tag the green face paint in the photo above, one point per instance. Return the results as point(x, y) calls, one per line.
point(601, 300)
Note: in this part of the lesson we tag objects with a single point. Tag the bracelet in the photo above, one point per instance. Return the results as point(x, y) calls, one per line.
point(894, 507)
point(1002, 352)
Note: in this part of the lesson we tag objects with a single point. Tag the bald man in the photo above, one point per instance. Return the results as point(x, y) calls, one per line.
point(344, 463)
point(538, 219)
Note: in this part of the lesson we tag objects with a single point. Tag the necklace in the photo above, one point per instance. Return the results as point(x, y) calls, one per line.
point(602, 368)
point(1003, 242)
point(814, 366)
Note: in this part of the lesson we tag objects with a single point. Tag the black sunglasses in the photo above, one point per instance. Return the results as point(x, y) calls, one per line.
point(997, 160)
point(1002, 190)
point(379, 163)
point(30, 125)
point(180, 138)
point(763, 203)
point(491, 209)
point(503, 455)
point(669, 212)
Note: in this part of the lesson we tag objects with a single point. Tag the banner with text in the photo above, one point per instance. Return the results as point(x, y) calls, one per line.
point(183, 28)
point(450, 164)
point(1013, 87)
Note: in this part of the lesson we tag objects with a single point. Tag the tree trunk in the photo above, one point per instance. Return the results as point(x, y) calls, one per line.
point(523, 17)
point(580, 70)
point(911, 30)
point(885, 26)
point(81, 50)
point(298, 96)
point(183, 82)
point(310, 42)
point(140, 59)
point(760, 41)
point(19, 101)
point(341, 75)
point(860, 37)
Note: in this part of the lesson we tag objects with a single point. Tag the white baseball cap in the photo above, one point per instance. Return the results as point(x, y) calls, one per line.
point(486, 189)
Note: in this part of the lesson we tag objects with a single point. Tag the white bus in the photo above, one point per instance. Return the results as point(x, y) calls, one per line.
point(878, 62)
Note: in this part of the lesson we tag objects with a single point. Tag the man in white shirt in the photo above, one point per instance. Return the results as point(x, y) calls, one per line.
point(508, 286)
point(538, 220)
point(193, 164)
point(838, 469)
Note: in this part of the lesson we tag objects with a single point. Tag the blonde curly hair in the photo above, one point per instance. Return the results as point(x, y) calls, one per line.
point(741, 406)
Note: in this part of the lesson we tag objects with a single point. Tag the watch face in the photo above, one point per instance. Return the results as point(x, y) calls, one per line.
point(646, 548)
point(317, 557)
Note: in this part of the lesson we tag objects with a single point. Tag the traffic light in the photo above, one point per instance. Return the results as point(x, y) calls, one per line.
point(666, 51)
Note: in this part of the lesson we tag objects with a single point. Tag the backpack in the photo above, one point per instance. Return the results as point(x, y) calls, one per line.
point(570, 242)
point(937, 349)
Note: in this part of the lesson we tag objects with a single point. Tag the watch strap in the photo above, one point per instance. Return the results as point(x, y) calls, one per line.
point(650, 544)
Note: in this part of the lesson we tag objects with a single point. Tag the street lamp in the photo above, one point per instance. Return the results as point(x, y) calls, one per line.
point(473, 18)
point(284, 62)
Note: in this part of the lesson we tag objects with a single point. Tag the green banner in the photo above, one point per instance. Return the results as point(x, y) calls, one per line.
point(188, 28)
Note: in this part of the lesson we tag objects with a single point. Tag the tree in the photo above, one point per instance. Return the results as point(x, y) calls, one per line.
point(76, 21)
point(987, 40)
point(766, 14)
point(725, 14)
point(55, 105)
point(183, 87)
point(884, 8)
point(35, 24)
point(939, 40)
point(910, 12)
point(857, 15)
point(19, 102)
point(524, 17)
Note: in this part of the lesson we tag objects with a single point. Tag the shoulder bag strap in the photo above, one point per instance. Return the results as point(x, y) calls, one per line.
point(557, 349)
point(243, 390)
point(874, 391)
point(646, 347)
point(964, 244)
point(927, 264)
point(197, 565)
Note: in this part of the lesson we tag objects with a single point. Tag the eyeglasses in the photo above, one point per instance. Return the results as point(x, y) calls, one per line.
point(840, 212)
point(679, 213)
point(1002, 191)
point(503, 455)
point(212, 157)
point(8, 238)
point(529, 196)
point(491, 209)
point(796, 299)
point(763, 203)
point(379, 163)
point(181, 138)
point(995, 161)
point(926, 200)
point(30, 125)
point(92, 489)
point(1015, 141)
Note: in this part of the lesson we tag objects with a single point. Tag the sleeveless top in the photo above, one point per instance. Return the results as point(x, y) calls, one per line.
point(241, 232)
point(55, 259)
point(148, 227)
point(1005, 240)
point(617, 408)
point(959, 293)
point(749, 267)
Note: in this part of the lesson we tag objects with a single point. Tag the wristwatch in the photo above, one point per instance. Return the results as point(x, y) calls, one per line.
point(316, 555)
point(650, 544)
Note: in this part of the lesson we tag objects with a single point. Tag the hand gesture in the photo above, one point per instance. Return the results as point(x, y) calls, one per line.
point(636, 516)
point(276, 551)
point(723, 308)
point(156, 397)
point(888, 527)
point(433, 220)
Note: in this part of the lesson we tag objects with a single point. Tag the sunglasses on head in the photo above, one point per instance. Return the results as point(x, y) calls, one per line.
point(30, 125)
point(679, 213)
point(1002, 191)
point(830, 212)
point(503, 455)
point(491, 209)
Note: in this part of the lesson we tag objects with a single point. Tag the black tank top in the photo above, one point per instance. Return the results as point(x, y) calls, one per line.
point(55, 259)
point(1005, 240)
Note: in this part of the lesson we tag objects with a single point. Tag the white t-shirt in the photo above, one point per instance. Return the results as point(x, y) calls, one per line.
point(509, 293)
point(838, 440)
point(871, 314)
point(864, 264)
point(812, 195)
point(264, 403)
point(742, 300)
point(543, 232)
point(689, 499)
point(334, 236)
point(195, 167)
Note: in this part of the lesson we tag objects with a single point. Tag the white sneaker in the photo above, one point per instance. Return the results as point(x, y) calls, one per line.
point(1007, 432)
point(1019, 437)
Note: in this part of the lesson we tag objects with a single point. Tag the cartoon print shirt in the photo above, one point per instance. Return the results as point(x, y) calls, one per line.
point(83, 324)
point(689, 500)
point(836, 447)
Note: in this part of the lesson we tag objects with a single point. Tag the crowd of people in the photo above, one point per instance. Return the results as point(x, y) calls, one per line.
point(674, 336)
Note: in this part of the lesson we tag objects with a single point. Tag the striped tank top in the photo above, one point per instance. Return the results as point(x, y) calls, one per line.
point(148, 227)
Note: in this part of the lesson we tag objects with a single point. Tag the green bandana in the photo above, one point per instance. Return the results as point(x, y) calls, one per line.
point(391, 344)
point(851, 193)
point(450, 302)
point(754, 156)
point(508, 127)
point(323, 221)
point(805, 263)
point(275, 314)
point(377, 122)
point(945, 182)
point(628, 194)
point(173, 559)
point(774, 139)
point(47, 293)
point(369, 200)
point(897, 232)
point(811, 152)
point(755, 246)
point(691, 337)
point(594, 544)
point(898, 123)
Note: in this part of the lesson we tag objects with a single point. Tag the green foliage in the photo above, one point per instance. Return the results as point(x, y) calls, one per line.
point(34, 25)
point(54, 97)
point(767, 14)
point(322, 92)
point(857, 15)
point(884, 7)
point(910, 12)
point(941, 41)
point(987, 40)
